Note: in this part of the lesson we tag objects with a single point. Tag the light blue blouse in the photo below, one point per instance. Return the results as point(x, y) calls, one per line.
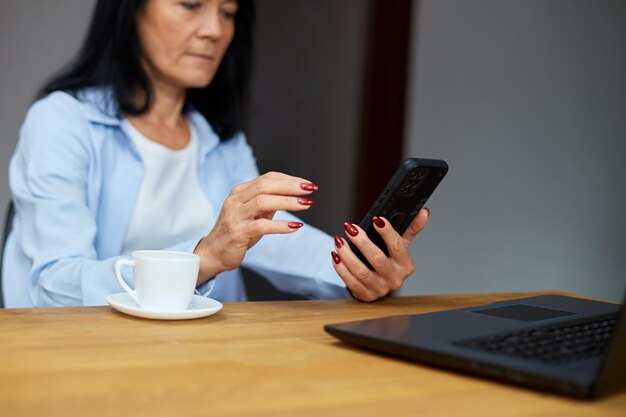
point(75, 176)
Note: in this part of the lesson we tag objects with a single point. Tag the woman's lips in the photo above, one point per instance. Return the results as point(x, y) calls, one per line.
point(204, 57)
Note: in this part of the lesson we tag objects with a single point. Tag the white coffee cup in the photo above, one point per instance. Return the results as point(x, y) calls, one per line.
point(164, 280)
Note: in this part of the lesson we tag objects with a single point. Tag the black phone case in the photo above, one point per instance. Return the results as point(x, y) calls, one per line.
point(403, 197)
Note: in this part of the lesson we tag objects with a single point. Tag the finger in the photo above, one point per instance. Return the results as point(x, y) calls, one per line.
point(396, 245)
point(370, 279)
point(416, 226)
point(237, 189)
point(357, 289)
point(267, 215)
point(374, 255)
point(272, 184)
point(281, 176)
point(265, 203)
point(269, 175)
point(262, 226)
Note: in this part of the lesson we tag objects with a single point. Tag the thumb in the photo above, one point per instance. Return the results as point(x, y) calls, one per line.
point(416, 226)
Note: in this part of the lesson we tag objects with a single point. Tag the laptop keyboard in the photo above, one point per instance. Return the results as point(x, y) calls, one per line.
point(556, 344)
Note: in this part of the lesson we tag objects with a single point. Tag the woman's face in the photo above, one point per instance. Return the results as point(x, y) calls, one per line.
point(184, 41)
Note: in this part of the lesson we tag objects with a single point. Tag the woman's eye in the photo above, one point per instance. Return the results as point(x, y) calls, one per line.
point(190, 5)
point(229, 14)
point(229, 10)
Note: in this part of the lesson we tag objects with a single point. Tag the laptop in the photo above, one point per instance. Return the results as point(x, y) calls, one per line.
point(562, 344)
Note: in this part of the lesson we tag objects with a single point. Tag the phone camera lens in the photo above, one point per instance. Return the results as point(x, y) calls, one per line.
point(412, 181)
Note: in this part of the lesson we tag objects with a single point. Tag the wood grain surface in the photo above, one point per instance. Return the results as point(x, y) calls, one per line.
point(250, 359)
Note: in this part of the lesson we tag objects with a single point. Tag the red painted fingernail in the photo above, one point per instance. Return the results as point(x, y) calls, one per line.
point(336, 258)
point(308, 186)
point(306, 201)
point(350, 229)
point(295, 225)
point(378, 222)
point(338, 242)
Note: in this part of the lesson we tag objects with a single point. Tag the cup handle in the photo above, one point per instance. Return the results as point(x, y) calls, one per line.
point(118, 275)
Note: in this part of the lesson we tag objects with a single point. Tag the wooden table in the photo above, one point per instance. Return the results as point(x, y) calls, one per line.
point(251, 359)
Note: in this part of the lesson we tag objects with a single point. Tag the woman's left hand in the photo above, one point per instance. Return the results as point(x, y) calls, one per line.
point(389, 271)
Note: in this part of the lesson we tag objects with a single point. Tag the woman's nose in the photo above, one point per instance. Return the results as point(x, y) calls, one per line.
point(211, 26)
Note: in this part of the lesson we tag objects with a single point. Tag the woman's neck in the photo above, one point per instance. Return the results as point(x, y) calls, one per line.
point(164, 121)
point(167, 105)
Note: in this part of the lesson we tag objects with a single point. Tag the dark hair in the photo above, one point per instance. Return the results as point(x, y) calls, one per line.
point(109, 57)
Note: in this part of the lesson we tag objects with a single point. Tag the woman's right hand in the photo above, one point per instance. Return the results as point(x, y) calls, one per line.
point(247, 215)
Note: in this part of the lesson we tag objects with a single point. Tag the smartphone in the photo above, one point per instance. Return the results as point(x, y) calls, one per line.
point(403, 197)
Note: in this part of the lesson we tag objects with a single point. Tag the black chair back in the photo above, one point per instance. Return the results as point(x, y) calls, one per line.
point(8, 224)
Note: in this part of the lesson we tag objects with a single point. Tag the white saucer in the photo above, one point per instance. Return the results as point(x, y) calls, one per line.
point(200, 307)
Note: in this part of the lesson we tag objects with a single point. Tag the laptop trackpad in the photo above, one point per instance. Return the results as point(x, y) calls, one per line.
point(523, 312)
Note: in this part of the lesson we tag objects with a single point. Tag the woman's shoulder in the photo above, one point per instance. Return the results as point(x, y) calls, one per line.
point(86, 105)
point(59, 121)
point(58, 115)
point(54, 105)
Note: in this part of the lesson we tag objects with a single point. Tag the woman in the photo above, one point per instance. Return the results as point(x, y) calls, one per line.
point(138, 145)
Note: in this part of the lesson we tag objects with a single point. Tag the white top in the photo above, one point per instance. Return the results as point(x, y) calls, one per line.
point(170, 180)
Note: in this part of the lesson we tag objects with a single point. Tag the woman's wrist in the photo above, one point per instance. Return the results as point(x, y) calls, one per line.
point(209, 266)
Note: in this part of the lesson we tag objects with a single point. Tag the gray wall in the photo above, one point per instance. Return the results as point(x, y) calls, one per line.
point(526, 100)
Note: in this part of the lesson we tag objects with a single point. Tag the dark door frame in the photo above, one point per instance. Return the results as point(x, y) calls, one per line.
point(384, 99)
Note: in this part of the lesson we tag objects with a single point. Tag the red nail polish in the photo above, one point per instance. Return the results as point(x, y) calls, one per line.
point(295, 225)
point(336, 258)
point(306, 201)
point(350, 229)
point(378, 222)
point(338, 242)
point(308, 186)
